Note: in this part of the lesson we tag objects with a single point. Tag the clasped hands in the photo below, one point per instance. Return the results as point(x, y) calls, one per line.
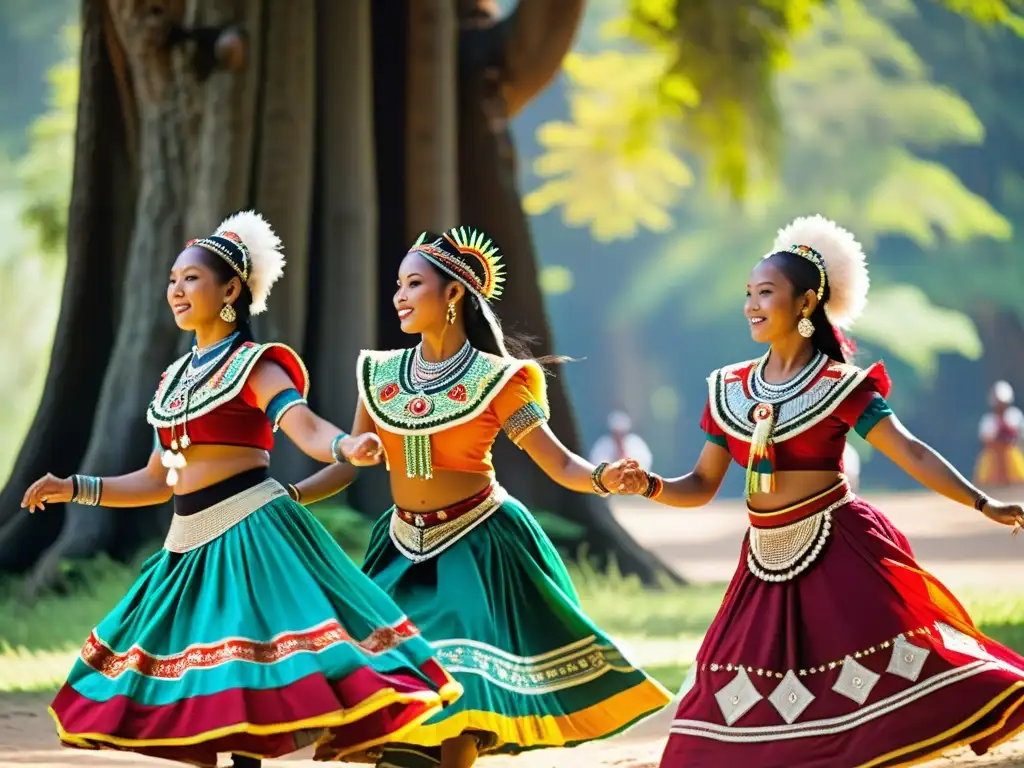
point(625, 477)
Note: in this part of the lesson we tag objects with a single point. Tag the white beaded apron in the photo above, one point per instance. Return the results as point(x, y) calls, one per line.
point(188, 532)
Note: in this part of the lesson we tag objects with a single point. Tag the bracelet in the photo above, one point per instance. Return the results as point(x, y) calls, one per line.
point(293, 491)
point(981, 501)
point(595, 480)
point(86, 489)
point(655, 485)
point(336, 453)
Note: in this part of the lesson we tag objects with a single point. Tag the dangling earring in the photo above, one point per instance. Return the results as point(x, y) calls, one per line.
point(451, 313)
point(228, 314)
point(805, 327)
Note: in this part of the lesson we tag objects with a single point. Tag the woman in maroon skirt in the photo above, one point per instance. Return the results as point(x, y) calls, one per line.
point(833, 648)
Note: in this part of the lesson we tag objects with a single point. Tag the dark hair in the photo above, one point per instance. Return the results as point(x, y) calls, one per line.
point(482, 337)
point(804, 276)
point(224, 272)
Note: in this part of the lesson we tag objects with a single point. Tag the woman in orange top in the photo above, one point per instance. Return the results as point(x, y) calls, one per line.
point(466, 561)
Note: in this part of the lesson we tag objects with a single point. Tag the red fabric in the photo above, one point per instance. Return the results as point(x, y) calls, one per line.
point(864, 590)
point(313, 696)
point(240, 421)
point(821, 446)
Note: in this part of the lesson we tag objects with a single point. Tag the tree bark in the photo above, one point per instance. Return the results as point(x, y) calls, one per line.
point(284, 178)
point(431, 177)
point(99, 223)
point(343, 299)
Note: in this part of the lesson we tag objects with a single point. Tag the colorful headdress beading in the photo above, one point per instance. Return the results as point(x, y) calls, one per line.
point(469, 256)
point(839, 259)
point(248, 243)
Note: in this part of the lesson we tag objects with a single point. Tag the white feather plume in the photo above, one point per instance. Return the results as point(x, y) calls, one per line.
point(845, 264)
point(264, 246)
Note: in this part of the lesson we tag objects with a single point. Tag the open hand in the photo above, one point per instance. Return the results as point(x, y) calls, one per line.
point(1005, 514)
point(624, 477)
point(47, 488)
point(363, 450)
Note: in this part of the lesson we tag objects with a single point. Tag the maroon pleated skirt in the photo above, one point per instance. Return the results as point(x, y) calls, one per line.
point(833, 648)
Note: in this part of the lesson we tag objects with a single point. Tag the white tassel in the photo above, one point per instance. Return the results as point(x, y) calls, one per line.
point(173, 462)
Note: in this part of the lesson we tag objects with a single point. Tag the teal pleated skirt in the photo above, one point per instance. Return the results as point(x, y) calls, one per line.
point(259, 642)
point(504, 618)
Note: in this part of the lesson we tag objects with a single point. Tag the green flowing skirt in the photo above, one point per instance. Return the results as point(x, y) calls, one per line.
point(263, 640)
point(504, 618)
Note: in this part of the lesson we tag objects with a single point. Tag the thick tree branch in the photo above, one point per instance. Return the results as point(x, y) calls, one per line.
point(538, 34)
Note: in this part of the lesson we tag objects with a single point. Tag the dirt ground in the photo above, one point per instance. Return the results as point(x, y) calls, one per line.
point(954, 543)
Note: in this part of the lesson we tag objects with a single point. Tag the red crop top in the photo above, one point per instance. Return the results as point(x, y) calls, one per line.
point(810, 428)
point(489, 393)
point(223, 410)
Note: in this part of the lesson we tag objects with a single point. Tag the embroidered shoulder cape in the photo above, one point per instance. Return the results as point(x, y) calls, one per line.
point(167, 407)
point(817, 392)
point(398, 405)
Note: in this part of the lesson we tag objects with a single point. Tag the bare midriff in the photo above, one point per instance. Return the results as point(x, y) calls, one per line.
point(446, 488)
point(793, 487)
point(210, 464)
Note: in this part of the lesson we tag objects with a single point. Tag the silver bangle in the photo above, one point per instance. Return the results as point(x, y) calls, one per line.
point(86, 489)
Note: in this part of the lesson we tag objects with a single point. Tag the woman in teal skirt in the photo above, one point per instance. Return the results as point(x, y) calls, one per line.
point(468, 563)
point(250, 632)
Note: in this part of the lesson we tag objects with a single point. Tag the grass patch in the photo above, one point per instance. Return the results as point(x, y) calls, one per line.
point(659, 630)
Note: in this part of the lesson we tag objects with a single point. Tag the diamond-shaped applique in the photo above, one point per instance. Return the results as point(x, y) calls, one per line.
point(790, 697)
point(689, 682)
point(855, 680)
point(907, 659)
point(955, 640)
point(736, 698)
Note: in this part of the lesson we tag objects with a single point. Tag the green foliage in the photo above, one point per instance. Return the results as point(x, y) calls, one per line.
point(857, 107)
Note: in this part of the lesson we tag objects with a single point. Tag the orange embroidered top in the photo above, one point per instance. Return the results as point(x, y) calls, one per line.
point(219, 407)
point(452, 422)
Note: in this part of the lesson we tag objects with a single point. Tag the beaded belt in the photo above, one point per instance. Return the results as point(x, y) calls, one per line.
point(785, 543)
point(422, 535)
point(187, 532)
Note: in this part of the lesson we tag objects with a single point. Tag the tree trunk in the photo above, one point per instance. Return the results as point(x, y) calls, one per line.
point(431, 179)
point(283, 177)
point(99, 225)
point(343, 302)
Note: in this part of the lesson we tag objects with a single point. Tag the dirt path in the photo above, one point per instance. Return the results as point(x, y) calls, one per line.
point(952, 542)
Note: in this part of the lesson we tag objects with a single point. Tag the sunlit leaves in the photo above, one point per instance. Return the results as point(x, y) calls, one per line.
point(855, 106)
point(612, 168)
point(44, 173)
point(901, 319)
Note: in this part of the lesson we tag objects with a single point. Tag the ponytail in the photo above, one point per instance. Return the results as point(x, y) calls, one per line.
point(826, 337)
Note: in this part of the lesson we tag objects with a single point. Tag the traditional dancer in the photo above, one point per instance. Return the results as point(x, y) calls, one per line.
point(250, 632)
point(466, 561)
point(1001, 462)
point(833, 647)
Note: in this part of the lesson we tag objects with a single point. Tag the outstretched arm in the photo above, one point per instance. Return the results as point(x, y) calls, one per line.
point(142, 488)
point(314, 435)
point(572, 471)
point(697, 488)
point(325, 483)
point(929, 468)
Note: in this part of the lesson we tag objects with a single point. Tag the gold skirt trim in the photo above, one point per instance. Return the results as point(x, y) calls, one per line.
point(193, 531)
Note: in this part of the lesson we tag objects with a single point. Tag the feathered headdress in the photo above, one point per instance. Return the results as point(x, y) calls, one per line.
point(247, 242)
point(840, 259)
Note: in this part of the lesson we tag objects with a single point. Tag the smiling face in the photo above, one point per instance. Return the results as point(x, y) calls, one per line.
point(195, 291)
point(772, 307)
point(423, 295)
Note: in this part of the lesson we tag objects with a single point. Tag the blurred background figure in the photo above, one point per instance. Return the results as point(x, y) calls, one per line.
point(1001, 461)
point(620, 443)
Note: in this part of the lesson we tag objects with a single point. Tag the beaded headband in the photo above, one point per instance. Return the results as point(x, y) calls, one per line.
point(805, 251)
point(229, 247)
point(467, 255)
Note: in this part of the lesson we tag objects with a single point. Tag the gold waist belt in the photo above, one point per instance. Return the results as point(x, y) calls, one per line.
point(191, 531)
point(422, 542)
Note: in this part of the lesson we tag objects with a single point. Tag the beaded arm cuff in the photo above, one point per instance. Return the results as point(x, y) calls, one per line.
point(526, 419)
point(281, 403)
point(86, 489)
